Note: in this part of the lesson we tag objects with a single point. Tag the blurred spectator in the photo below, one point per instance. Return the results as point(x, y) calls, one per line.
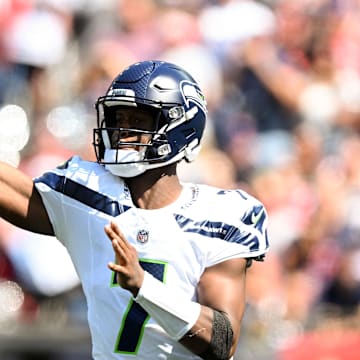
point(236, 21)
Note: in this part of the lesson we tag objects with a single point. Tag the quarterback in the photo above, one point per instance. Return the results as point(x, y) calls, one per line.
point(162, 262)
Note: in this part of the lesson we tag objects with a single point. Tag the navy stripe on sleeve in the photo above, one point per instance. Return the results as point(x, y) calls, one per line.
point(219, 230)
point(82, 194)
point(223, 231)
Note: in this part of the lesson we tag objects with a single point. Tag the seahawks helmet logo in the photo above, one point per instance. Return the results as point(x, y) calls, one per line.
point(192, 94)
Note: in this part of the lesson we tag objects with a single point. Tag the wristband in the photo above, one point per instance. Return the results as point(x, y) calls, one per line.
point(171, 310)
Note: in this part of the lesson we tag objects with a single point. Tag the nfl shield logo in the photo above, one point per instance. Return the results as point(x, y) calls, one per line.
point(142, 236)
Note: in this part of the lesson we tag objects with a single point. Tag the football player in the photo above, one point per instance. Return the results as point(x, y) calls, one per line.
point(162, 262)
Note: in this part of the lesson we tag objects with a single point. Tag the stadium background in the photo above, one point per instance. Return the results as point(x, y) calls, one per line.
point(282, 81)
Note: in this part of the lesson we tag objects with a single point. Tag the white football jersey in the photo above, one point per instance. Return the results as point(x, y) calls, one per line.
point(205, 226)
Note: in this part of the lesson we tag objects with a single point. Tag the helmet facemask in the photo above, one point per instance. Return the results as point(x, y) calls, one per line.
point(145, 149)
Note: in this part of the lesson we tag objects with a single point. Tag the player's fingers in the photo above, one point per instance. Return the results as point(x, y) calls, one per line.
point(112, 235)
point(115, 232)
point(109, 232)
point(122, 246)
point(121, 257)
point(118, 248)
point(115, 227)
point(114, 267)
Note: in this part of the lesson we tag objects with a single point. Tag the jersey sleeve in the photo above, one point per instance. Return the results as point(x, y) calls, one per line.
point(252, 231)
point(244, 230)
point(49, 185)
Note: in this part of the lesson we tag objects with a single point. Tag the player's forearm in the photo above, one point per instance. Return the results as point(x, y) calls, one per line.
point(212, 336)
point(204, 331)
point(260, 54)
point(198, 338)
point(20, 204)
point(15, 191)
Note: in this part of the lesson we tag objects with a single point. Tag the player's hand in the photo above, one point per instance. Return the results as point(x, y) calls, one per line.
point(129, 273)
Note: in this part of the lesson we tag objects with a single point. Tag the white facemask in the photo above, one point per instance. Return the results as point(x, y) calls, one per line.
point(124, 170)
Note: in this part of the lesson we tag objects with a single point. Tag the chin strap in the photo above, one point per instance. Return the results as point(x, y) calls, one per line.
point(132, 169)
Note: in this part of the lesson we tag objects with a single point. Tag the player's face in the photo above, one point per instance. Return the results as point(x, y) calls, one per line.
point(131, 127)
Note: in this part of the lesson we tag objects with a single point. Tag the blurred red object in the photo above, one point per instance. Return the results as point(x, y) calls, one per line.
point(6, 269)
point(324, 345)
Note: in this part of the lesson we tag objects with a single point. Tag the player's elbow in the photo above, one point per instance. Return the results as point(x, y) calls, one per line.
point(222, 345)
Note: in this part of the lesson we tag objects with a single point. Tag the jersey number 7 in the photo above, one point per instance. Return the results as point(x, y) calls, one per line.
point(135, 317)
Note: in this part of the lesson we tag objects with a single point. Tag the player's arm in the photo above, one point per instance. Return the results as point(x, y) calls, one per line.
point(20, 202)
point(221, 293)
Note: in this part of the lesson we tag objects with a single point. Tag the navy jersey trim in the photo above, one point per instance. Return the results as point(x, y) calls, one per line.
point(219, 230)
point(256, 217)
point(82, 194)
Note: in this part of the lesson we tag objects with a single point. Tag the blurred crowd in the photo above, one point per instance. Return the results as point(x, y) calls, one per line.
point(282, 82)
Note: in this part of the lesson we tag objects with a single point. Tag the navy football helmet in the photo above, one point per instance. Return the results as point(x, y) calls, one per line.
point(176, 104)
